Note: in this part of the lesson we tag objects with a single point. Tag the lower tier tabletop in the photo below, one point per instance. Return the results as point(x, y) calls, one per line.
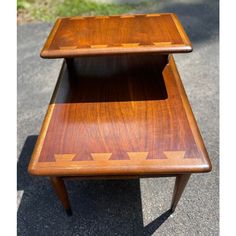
point(119, 115)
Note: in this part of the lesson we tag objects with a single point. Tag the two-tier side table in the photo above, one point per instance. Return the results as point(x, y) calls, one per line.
point(119, 108)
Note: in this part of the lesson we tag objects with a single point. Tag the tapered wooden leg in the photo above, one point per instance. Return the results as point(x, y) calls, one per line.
point(60, 189)
point(180, 183)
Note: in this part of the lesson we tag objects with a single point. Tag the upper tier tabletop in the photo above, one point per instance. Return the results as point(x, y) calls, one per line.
point(75, 36)
point(119, 115)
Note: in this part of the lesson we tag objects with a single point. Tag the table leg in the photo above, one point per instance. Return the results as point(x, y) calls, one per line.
point(180, 183)
point(60, 189)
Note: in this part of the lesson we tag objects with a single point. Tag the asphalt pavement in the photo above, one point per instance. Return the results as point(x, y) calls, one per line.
point(122, 207)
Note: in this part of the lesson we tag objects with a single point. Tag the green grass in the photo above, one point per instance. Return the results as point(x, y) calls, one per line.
point(80, 7)
point(22, 4)
point(49, 10)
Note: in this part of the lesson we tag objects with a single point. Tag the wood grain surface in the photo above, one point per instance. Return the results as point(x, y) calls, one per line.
point(74, 36)
point(119, 115)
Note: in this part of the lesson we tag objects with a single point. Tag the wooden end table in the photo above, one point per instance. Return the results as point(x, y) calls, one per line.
point(119, 108)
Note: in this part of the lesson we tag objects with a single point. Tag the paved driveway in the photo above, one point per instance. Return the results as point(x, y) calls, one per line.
point(122, 207)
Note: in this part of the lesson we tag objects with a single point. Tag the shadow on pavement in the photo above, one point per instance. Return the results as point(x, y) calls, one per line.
point(100, 207)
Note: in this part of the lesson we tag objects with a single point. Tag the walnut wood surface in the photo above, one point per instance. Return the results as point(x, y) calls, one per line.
point(74, 36)
point(119, 115)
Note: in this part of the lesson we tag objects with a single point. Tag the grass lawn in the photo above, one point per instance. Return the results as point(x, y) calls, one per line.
point(49, 10)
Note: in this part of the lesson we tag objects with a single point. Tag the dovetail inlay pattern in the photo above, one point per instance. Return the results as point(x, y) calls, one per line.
point(133, 156)
point(93, 35)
